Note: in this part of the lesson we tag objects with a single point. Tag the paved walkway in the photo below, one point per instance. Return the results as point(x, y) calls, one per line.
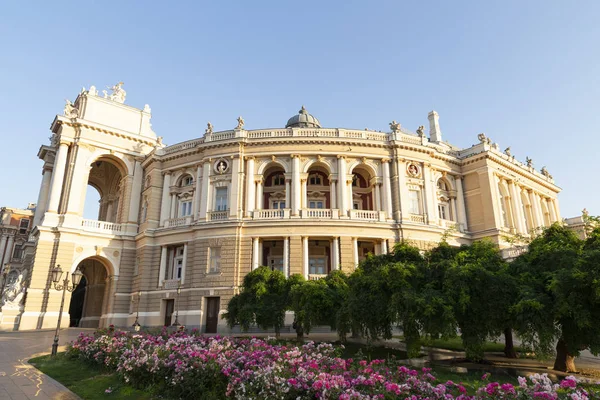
point(21, 381)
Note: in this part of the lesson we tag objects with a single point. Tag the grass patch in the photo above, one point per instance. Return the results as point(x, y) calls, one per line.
point(86, 380)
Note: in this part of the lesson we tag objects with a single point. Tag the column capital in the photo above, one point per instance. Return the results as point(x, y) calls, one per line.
point(247, 158)
point(295, 156)
point(385, 160)
point(341, 156)
point(458, 177)
point(166, 173)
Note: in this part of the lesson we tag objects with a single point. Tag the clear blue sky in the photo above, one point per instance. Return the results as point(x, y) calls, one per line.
point(524, 72)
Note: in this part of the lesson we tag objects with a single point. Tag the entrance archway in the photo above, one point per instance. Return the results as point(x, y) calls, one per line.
point(106, 176)
point(88, 300)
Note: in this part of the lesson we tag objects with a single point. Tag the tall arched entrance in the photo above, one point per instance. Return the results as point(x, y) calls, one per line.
point(88, 301)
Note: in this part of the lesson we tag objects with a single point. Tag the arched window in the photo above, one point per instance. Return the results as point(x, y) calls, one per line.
point(187, 181)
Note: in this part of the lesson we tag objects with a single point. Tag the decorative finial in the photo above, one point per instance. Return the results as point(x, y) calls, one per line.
point(303, 110)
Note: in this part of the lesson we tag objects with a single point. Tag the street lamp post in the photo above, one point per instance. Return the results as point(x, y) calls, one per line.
point(5, 272)
point(56, 276)
point(136, 325)
point(176, 323)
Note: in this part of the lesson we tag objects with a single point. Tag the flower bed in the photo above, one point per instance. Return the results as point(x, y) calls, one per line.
point(188, 365)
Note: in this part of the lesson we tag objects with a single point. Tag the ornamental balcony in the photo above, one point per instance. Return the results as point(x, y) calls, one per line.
point(90, 225)
point(218, 215)
point(319, 213)
point(367, 215)
point(271, 214)
point(181, 221)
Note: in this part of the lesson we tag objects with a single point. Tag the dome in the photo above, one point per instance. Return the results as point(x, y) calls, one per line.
point(303, 120)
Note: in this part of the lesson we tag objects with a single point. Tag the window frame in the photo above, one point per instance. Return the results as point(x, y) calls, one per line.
point(214, 260)
point(225, 198)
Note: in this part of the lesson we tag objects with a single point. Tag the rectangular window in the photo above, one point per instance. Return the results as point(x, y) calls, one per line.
point(185, 208)
point(442, 211)
point(214, 265)
point(176, 262)
point(221, 199)
point(317, 265)
point(413, 202)
point(315, 204)
point(23, 225)
point(276, 263)
point(18, 252)
point(278, 205)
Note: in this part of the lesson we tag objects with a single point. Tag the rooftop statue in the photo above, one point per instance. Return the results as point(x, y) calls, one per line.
point(421, 131)
point(93, 91)
point(507, 151)
point(118, 93)
point(529, 161)
point(241, 123)
point(394, 126)
point(545, 172)
point(70, 110)
point(209, 129)
point(484, 139)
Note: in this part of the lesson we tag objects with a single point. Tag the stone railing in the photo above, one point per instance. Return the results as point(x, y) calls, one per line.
point(444, 223)
point(190, 144)
point(92, 225)
point(317, 213)
point(271, 214)
point(418, 218)
point(219, 215)
point(314, 277)
point(368, 215)
point(181, 221)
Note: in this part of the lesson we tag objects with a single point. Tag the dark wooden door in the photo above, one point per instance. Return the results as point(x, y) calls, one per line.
point(169, 308)
point(212, 314)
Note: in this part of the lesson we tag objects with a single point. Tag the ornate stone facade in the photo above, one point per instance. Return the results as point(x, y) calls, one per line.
point(200, 214)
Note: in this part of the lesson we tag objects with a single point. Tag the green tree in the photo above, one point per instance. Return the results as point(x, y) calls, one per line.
point(559, 301)
point(475, 286)
point(263, 300)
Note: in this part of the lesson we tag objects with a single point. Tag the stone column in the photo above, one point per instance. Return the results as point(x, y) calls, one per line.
point(384, 247)
point(174, 202)
point(250, 186)
point(165, 205)
point(556, 209)
point(42, 201)
point(58, 176)
point(255, 253)
point(552, 210)
point(454, 209)
point(184, 263)
point(204, 201)
point(496, 205)
point(332, 193)
point(295, 184)
point(387, 188)
point(303, 184)
point(286, 256)
point(287, 193)
point(259, 193)
point(402, 191)
point(305, 258)
point(235, 189)
point(110, 211)
point(197, 192)
point(75, 198)
point(342, 201)
point(517, 208)
point(3, 240)
point(535, 208)
point(460, 200)
point(335, 249)
point(355, 248)
point(163, 266)
point(429, 193)
point(377, 197)
point(136, 193)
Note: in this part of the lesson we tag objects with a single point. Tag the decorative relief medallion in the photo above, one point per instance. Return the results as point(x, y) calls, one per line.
point(116, 253)
point(221, 166)
point(413, 170)
point(79, 249)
